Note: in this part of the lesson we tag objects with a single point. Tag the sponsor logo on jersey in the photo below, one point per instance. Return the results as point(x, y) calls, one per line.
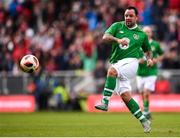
point(136, 36)
point(121, 32)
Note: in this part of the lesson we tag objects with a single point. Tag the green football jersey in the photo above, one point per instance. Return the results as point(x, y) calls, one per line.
point(143, 69)
point(135, 37)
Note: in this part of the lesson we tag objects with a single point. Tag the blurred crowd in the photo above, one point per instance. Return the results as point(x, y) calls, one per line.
point(66, 34)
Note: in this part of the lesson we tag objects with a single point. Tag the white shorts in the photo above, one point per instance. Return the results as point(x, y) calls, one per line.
point(146, 83)
point(126, 69)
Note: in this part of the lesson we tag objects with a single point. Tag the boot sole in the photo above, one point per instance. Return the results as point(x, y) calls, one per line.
point(100, 108)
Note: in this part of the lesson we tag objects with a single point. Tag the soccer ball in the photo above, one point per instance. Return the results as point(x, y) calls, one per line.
point(29, 63)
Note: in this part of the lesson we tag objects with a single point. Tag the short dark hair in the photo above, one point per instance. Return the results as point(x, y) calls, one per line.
point(133, 8)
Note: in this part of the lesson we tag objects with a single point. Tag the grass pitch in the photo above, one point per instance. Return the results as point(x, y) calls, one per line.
point(79, 124)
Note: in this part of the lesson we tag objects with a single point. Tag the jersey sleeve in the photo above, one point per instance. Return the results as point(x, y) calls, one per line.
point(112, 29)
point(146, 46)
point(141, 53)
point(159, 49)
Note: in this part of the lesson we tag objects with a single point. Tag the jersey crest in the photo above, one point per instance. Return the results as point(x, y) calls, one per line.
point(136, 36)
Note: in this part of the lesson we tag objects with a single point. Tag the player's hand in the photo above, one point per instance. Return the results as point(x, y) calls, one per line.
point(123, 42)
point(142, 60)
point(150, 63)
point(155, 60)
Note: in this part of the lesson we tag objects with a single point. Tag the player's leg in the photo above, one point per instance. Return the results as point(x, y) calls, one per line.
point(149, 87)
point(145, 97)
point(109, 87)
point(144, 93)
point(140, 84)
point(129, 72)
point(133, 106)
point(135, 109)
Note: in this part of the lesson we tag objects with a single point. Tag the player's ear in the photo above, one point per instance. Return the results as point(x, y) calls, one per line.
point(136, 18)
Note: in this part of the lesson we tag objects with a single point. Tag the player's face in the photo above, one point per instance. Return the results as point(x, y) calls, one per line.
point(148, 31)
point(130, 17)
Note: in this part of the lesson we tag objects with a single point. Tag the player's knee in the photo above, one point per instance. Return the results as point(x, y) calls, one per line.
point(126, 97)
point(112, 72)
point(146, 94)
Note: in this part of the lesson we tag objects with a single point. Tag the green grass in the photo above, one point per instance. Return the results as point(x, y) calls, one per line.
point(78, 124)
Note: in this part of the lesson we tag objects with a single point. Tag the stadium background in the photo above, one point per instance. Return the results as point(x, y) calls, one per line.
point(65, 35)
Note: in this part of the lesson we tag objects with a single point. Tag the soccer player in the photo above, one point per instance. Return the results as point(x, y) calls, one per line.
point(127, 39)
point(147, 75)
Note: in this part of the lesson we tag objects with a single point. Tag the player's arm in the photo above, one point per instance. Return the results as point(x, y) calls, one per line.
point(158, 59)
point(142, 58)
point(109, 36)
point(147, 50)
point(160, 56)
point(149, 58)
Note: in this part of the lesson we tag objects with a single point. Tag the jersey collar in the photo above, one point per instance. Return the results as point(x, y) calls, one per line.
point(132, 27)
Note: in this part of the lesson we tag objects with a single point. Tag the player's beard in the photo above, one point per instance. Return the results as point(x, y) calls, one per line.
point(130, 24)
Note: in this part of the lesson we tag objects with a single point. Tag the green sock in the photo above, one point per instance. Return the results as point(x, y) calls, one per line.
point(146, 106)
point(135, 110)
point(110, 85)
